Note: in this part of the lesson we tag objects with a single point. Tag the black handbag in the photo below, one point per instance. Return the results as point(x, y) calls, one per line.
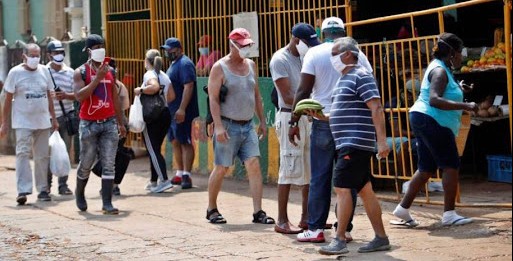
point(72, 121)
point(71, 118)
point(222, 97)
point(153, 105)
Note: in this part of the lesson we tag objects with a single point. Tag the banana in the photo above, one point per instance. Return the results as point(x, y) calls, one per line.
point(309, 101)
point(300, 108)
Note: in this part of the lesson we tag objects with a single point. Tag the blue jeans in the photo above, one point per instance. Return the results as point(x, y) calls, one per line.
point(323, 156)
point(98, 139)
point(243, 143)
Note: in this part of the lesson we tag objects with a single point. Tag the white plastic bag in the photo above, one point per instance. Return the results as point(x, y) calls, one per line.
point(59, 158)
point(136, 122)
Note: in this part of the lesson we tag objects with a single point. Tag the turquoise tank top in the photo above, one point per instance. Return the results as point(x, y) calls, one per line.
point(446, 118)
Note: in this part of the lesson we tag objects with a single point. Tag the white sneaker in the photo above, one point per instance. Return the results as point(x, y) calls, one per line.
point(162, 186)
point(450, 218)
point(150, 185)
point(316, 236)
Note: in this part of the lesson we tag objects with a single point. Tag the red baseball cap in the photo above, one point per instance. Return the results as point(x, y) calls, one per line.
point(205, 40)
point(241, 36)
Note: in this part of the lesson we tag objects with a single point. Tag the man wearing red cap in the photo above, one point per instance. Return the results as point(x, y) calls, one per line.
point(234, 133)
point(208, 56)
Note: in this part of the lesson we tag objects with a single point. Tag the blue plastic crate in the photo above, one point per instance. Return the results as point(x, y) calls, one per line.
point(499, 168)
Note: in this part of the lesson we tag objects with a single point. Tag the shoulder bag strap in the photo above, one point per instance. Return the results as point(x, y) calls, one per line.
point(161, 90)
point(55, 88)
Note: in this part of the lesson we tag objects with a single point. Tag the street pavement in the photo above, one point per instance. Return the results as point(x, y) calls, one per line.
point(172, 226)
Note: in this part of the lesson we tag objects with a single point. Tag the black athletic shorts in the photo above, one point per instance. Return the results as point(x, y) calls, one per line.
point(352, 169)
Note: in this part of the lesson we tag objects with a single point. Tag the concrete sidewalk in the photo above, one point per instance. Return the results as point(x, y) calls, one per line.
point(172, 226)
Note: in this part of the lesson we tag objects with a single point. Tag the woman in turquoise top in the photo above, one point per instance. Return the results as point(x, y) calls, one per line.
point(436, 118)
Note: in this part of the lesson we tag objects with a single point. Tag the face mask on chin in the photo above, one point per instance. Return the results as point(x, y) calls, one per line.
point(58, 59)
point(33, 62)
point(98, 55)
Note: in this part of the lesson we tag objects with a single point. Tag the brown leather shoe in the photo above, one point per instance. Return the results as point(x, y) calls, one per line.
point(287, 228)
point(304, 225)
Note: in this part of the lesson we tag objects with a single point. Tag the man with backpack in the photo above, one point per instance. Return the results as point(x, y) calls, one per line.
point(101, 122)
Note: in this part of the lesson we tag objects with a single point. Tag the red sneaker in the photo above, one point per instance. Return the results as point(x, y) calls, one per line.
point(177, 180)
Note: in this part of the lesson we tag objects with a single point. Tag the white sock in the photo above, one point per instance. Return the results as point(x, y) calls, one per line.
point(449, 215)
point(402, 213)
point(186, 173)
point(179, 173)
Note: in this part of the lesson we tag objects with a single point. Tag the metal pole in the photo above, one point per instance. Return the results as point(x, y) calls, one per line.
point(507, 36)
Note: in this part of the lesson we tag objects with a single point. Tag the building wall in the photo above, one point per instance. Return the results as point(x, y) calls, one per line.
point(13, 11)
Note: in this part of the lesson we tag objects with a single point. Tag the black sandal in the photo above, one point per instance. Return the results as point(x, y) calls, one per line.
point(262, 218)
point(215, 217)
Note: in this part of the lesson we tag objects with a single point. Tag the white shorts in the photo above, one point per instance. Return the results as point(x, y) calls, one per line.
point(294, 160)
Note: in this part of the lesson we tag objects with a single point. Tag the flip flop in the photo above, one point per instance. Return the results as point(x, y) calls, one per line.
point(459, 222)
point(411, 224)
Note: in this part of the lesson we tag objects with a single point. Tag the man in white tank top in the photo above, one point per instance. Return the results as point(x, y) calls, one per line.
point(234, 133)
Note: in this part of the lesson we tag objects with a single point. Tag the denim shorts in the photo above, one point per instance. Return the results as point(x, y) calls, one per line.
point(243, 143)
point(436, 145)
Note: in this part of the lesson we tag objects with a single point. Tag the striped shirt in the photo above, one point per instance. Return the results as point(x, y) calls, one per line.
point(63, 79)
point(350, 118)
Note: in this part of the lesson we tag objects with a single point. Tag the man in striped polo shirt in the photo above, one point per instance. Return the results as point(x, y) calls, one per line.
point(356, 118)
point(63, 101)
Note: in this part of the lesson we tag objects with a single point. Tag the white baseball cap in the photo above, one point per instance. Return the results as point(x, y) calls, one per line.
point(332, 22)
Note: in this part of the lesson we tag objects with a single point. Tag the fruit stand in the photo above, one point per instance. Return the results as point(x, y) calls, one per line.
point(485, 69)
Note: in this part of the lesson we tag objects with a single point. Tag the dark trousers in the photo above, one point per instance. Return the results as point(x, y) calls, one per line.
point(154, 135)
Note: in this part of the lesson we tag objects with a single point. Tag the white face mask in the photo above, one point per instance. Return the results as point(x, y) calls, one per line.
point(58, 59)
point(33, 62)
point(243, 52)
point(204, 50)
point(337, 63)
point(302, 48)
point(98, 55)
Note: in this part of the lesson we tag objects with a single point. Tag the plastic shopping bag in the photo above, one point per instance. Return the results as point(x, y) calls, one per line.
point(59, 158)
point(136, 122)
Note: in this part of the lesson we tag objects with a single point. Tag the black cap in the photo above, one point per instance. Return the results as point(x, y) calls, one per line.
point(306, 32)
point(55, 46)
point(92, 40)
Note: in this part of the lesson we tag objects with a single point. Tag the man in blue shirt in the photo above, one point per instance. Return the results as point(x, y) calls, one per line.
point(184, 109)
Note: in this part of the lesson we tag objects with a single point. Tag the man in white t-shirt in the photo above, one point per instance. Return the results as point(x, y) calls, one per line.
point(29, 104)
point(63, 96)
point(294, 160)
point(318, 78)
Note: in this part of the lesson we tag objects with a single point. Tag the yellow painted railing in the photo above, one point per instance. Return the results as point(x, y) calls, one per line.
point(133, 26)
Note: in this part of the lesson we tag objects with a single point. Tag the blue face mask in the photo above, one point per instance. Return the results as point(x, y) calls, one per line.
point(204, 50)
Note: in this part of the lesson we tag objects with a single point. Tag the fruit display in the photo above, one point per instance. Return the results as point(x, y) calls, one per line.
point(308, 104)
point(486, 109)
point(493, 58)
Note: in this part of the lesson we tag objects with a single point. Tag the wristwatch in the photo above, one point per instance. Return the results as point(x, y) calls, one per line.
point(292, 123)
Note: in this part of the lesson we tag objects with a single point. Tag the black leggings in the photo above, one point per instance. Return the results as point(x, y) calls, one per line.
point(154, 135)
